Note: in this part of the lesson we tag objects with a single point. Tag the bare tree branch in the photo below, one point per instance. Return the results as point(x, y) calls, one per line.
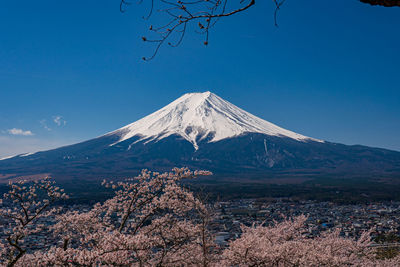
point(179, 15)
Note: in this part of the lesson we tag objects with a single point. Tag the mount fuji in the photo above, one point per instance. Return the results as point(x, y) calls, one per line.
point(199, 116)
point(203, 131)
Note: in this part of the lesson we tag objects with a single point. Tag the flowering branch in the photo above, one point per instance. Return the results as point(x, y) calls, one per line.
point(23, 205)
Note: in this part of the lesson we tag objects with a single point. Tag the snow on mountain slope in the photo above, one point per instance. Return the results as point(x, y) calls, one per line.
point(19, 155)
point(195, 116)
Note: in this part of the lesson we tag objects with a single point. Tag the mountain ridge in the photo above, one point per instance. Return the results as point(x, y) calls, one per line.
point(203, 131)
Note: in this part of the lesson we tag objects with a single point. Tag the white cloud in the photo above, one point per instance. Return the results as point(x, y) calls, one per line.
point(44, 124)
point(59, 120)
point(15, 131)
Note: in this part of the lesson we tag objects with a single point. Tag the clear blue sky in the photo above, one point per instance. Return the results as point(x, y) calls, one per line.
point(330, 71)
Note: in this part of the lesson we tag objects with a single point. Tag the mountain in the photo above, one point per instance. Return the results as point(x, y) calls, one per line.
point(203, 131)
point(199, 116)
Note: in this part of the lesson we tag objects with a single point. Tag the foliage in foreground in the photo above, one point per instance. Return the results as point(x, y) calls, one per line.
point(153, 221)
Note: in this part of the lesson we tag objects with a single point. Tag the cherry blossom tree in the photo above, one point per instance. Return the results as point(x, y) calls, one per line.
point(151, 221)
point(23, 207)
point(284, 244)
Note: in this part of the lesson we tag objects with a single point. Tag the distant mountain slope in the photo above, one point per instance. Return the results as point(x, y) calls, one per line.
point(201, 130)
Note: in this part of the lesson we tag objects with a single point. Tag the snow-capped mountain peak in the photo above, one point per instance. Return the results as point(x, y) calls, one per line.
point(195, 116)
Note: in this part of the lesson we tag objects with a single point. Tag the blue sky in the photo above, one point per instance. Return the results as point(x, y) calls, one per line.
point(72, 70)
